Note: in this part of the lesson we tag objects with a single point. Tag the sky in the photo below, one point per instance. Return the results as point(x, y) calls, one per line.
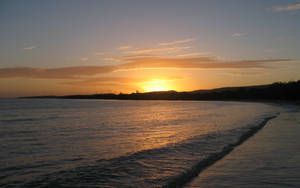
point(62, 47)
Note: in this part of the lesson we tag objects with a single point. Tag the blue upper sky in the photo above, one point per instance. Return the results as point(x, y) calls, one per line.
point(61, 33)
point(64, 31)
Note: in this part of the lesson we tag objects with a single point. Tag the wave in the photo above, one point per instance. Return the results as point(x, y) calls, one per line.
point(17, 120)
point(189, 174)
point(170, 166)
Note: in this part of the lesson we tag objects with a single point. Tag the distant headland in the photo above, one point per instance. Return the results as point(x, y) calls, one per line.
point(289, 91)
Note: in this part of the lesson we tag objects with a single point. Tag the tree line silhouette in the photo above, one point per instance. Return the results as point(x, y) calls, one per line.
point(275, 91)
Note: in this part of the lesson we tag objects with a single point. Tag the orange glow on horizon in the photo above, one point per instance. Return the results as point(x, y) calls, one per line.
point(156, 85)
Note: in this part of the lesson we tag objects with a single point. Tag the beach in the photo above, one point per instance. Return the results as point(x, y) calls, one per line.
point(106, 143)
point(149, 93)
point(271, 158)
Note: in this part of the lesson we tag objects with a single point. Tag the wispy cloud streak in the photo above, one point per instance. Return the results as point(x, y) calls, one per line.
point(84, 59)
point(165, 49)
point(237, 35)
point(124, 47)
point(194, 54)
point(293, 7)
point(78, 72)
point(31, 47)
point(177, 42)
point(245, 73)
point(115, 80)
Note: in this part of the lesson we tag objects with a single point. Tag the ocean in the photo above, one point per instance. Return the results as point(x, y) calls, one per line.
point(107, 143)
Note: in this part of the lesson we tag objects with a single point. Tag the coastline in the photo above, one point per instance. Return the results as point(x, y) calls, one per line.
point(189, 175)
point(289, 91)
point(269, 158)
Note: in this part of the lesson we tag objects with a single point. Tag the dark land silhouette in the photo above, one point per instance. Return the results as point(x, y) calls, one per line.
point(289, 91)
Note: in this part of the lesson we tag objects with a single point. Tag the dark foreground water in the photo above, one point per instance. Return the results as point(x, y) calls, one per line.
point(95, 143)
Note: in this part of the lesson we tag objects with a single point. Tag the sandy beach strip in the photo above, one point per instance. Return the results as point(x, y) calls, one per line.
point(271, 158)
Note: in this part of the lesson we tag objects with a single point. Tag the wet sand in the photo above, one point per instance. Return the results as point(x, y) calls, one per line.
point(271, 158)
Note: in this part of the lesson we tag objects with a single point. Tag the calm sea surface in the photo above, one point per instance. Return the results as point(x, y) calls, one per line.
point(96, 143)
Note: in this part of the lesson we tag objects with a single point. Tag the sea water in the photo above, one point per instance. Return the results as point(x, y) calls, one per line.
point(103, 143)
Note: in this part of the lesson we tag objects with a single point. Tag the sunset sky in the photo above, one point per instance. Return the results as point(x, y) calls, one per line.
point(84, 47)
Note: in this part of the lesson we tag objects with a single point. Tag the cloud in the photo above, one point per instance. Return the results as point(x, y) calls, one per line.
point(165, 49)
point(79, 72)
point(110, 59)
point(237, 35)
point(177, 42)
point(55, 73)
point(124, 47)
point(99, 53)
point(115, 80)
point(102, 80)
point(123, 58)
point(84, 59)
point(194, 54)
point(293, 7)
point(245, 73)
point(194, 63)
point(31, 47)
point(137, 55)
point(115, 59)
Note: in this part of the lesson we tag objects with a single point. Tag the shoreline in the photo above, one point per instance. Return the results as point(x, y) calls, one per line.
point(196, 170)
point(263, 160)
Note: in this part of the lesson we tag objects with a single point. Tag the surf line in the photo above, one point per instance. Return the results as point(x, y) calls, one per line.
point(190, 174)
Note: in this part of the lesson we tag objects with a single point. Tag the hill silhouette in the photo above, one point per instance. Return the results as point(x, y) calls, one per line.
point(275, 91)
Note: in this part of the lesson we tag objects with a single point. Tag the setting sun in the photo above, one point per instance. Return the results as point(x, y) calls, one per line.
point(156, 85)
